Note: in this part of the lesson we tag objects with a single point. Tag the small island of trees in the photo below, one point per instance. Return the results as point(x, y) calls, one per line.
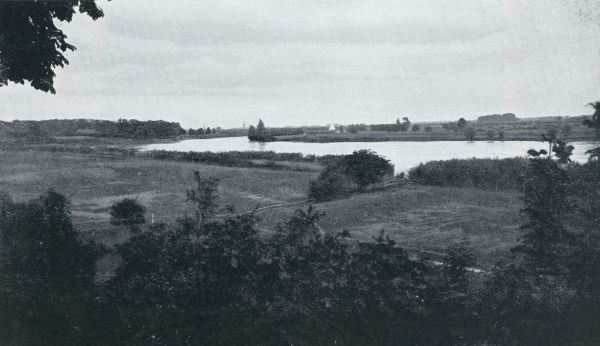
point(260, 133)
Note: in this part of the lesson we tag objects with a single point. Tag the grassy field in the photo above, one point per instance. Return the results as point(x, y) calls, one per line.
point(428, 218)
point(423, 217)
point(94, 183)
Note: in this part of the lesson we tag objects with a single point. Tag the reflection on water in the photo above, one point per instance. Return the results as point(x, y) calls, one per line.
point(404, 155)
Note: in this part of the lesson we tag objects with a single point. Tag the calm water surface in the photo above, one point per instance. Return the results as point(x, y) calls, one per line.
point(404, 155)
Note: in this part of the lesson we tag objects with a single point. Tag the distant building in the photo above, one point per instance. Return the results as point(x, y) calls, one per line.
point(506, 117)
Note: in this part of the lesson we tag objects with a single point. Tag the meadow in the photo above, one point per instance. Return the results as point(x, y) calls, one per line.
point(420, 217)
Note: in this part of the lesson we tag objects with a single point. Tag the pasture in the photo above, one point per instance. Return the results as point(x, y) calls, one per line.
point(420, 217)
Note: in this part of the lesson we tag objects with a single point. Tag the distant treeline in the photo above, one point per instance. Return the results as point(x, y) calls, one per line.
point(85, 127)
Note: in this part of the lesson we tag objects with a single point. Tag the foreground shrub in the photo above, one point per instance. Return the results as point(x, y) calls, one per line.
point(46, 274)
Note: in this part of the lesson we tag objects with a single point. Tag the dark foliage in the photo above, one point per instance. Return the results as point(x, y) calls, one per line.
point(96, 128)
point(260, 133)
point(127, 212)
point(347, 174)
point(470, 133)
point(31, 44)
point(221, 282)
point(493, 174)
point(258, 159)
point(46, 274)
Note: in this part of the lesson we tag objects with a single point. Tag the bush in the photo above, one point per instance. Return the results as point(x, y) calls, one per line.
point(346, 174)
point(504, 174)
point(365, 167)
point(331, 184)
point(127, 212)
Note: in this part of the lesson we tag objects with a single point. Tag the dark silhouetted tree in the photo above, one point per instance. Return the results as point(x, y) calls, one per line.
point(470, 133)
point(128, 212)
point(46, 274)
point(365, 167)
point(260, 128)
point(594, 122)
point(204, 197)
point(32, 45)
point(251, 132)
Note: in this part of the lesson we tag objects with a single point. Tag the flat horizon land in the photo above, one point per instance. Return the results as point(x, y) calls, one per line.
point(418, 217)
point(523, 129)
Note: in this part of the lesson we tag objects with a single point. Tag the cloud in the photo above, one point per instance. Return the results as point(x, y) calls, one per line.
point(305, 61)
point(188, 22)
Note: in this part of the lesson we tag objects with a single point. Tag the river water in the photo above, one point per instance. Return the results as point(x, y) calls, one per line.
point(404, 155)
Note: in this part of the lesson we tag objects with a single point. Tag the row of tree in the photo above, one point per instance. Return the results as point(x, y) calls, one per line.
point(102, 128)
point(201, 131)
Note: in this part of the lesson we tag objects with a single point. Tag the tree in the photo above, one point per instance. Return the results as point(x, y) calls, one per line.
point(204, 197)
point(470, 133)
point(594, 122)
point(31, 45)
point(428, 129)
point(461, 123)
point(501, 135)
point(365, 167)
point(46, 274)
point(490, 134)
point(200, 131)
point(260, 134)
point(127, 212)
point(251, 132)
point(416, 128)
point(546, 206)
point(208, 131)
point(260, 128)
point(331, 184)
point(405, 124)
point(562, 151)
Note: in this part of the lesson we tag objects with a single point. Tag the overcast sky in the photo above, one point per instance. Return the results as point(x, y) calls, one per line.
point(223, 63)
